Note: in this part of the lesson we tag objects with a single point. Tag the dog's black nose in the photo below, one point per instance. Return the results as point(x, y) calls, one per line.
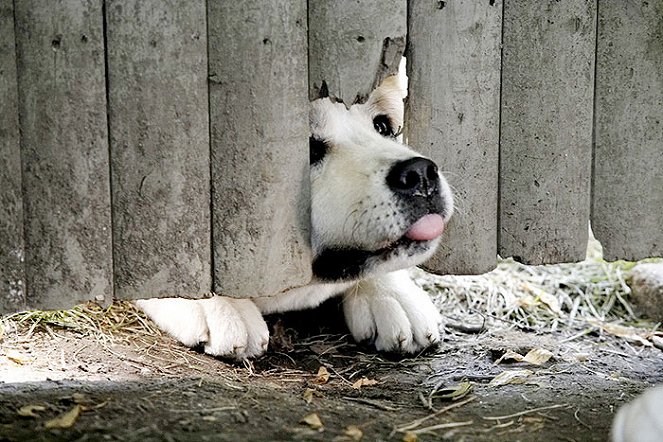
point(414, 177)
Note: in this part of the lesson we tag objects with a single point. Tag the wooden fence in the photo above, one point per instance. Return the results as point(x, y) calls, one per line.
point(159, 148)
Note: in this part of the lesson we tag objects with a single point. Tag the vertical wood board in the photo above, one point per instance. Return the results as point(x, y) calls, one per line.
point(12, 274)
point(353, 46)
point(453, 62)
point(627, 206)
point(259, 146)
point(546, 129)
point(62, 111)
point(159, 134)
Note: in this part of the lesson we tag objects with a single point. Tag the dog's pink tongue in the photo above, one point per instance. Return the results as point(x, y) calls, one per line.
point(428, 227)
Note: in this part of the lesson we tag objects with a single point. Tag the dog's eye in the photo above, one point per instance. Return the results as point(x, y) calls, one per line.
point(317, 150)
point(382, 125)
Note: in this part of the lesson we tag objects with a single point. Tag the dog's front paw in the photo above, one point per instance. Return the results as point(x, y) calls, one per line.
point(224, 326)
point(392, 311)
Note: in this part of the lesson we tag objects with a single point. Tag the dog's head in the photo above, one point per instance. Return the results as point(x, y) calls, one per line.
point(377, 206)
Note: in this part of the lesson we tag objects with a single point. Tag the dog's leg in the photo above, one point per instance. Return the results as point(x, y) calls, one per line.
point(224, 326)
point(392, 311)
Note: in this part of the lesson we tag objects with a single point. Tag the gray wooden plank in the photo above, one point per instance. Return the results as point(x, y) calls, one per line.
point(159, 132)
point(12, 272)
point(64, 149)
point(354, 45)
point(627, 204)
point(546, 129)
point(452, 116)
point(259, 143)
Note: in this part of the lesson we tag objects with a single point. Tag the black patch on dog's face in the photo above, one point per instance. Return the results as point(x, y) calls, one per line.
point(338, 264)
point(317, 150)
point(382, 125)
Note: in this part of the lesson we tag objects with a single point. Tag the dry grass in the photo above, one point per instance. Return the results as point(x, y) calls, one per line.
point(118, 321)
point(531, 298)
point(568, 297)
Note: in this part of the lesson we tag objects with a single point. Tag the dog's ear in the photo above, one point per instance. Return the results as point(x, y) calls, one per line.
point(387, 100)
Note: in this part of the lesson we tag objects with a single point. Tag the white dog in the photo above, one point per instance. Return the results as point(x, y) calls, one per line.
point(377, 208)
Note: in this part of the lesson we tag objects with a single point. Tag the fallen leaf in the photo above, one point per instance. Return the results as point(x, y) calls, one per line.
point(18, 358)
point(631, 334)
point(30, 410)
point(511, 377)
point(84, 401)
point(543, 297)
point(65, 420)
point(79, 398)
point(308, 395)
point(322, 377)
point(532, 420)
point(537, 356)
point(313, 421)
point(95, 406)
point(551, 302)
point(410, 437)
point(510, 355)
point(454, 392)
point(353, 432)
point(363, 382)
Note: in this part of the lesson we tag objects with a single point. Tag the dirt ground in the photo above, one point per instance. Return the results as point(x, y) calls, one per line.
point(61, 383)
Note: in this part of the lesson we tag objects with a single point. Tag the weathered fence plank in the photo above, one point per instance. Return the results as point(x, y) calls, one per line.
point(259, 146)
point(353, 46)
point(12, 274)
point(546, 129)
point(198, 178)
point(453, 63)
point(64, 149)
point(627, 209)
point(159, 135)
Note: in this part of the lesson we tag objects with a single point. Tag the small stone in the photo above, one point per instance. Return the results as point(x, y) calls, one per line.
point(646, 282)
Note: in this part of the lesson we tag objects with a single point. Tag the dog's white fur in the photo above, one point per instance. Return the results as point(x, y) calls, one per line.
point(352, 208)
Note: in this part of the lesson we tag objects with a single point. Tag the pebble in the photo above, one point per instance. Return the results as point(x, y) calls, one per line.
point(646, 282)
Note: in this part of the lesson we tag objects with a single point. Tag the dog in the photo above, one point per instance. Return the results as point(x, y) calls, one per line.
point(377, 208)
